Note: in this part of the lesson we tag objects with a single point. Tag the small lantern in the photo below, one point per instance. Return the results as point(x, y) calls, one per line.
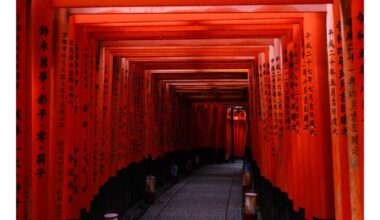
point(111, 216)
point(246, 181)
point(250, 207)
point(150, 185)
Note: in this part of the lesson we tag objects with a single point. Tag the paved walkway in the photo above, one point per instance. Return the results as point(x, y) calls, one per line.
point(211, 192)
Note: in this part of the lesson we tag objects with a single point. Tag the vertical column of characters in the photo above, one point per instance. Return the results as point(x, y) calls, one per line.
point(99, 86)
point(167, 116)
point(109, 161)
point(174, 110)
point(177, 118)
point(122, 115)
point(179, 123)
point(342, 113)
point(284, 101)
point(293, 57)
point(273, 139)
point(115, 71)
point(71, 149)
point(83, 122)
point(77, 132)
point(170, 116)
point(257, 152)
point(277, 111)
point(298, 136)
point(103, 88)
point(136, 127)
point(153, 110)
point(126, 116)
point(76, 155)
point(174, 130)
point(129, 69)
point(115, 109)
point(121, 134)
point(119, 140)
point(262, 113)
point(42, 83)
point(132, 112)
point(56, 152)
point(91, 68)
point(251, 107)
point(307, 122)
point(288, 70)
point(146, 116)
point(250, 101)
point(296, 116)
point(357, 15)
point(95, 116)
point(23, 150)
point(281, 160)
point(355, 175)
point(338, 113)
point(139, 113)
point(159, 116)
point(319, 112)
point(182, 124)
point(142, 120)
point(268, 124)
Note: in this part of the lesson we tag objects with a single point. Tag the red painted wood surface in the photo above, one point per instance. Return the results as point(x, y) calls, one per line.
point(107, 89)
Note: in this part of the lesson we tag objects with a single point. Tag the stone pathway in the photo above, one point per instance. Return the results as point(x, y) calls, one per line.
point(212, 192)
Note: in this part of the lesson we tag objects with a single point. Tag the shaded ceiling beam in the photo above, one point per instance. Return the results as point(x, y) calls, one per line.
point(198, 22)
point(191, 34)
point(123, 18)
point(193, 27)
point(121, 3)
point(202, 9)
point(197, 42)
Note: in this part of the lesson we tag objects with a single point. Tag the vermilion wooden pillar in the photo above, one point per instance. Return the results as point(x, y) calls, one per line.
point(338, 113)
point(41, 70)
point(23, 105)
point(357, 16)
point(353, 85)
point(292, 121)
point(56, 152)
point(319, 131)
point(70, 156)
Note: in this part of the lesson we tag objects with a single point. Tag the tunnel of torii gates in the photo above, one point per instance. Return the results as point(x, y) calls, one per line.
point(103, 84)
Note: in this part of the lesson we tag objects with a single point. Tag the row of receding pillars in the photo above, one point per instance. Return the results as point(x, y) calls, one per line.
point(150, 188)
